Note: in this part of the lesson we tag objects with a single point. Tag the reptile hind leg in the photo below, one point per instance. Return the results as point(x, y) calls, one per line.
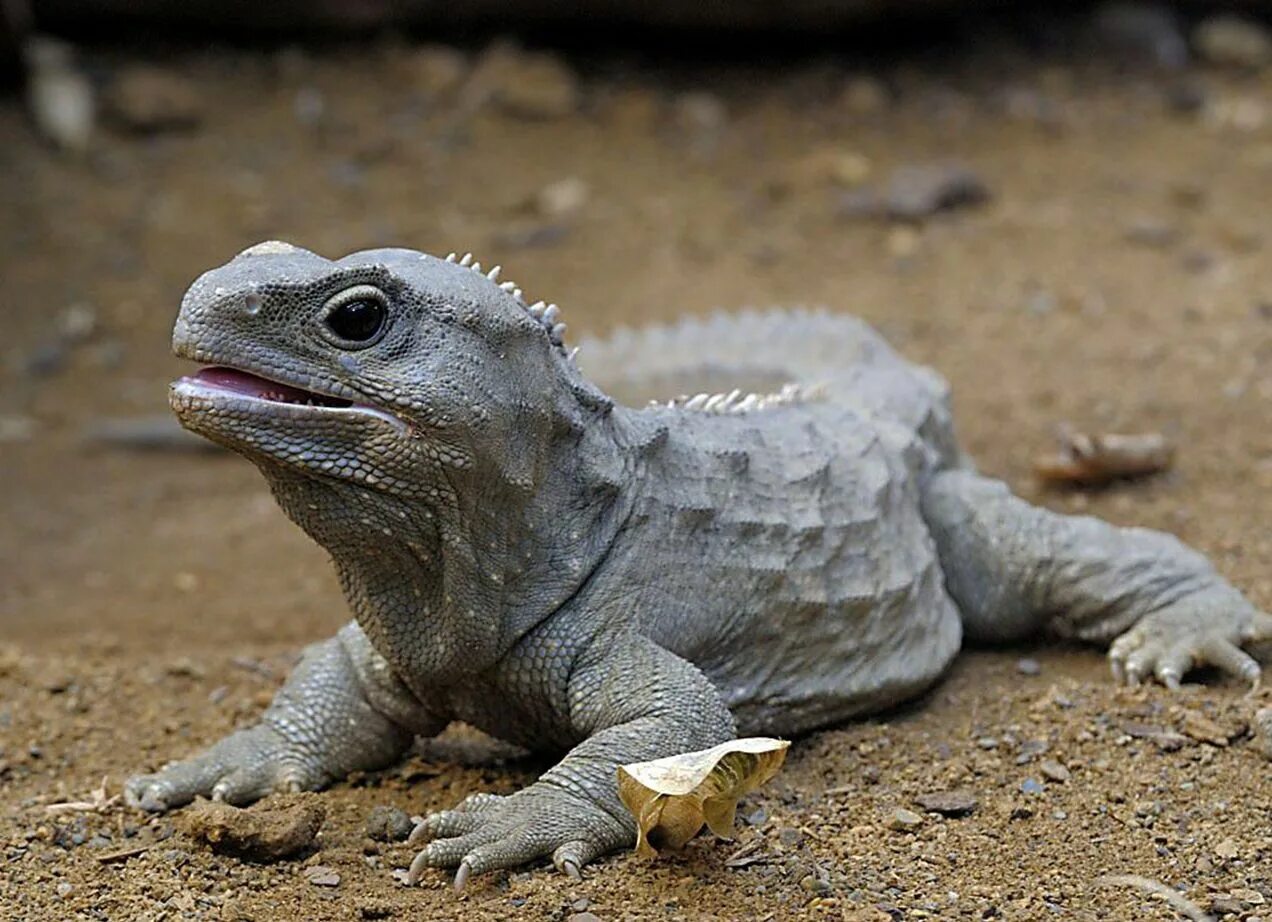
point(1015, 570)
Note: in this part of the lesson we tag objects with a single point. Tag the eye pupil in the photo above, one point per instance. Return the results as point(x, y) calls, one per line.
point(357, 321)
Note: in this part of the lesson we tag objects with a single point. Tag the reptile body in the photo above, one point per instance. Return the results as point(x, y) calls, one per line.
point(617, 581)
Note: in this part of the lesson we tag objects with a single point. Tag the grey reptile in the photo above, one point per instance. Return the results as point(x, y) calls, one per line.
point(565, 572)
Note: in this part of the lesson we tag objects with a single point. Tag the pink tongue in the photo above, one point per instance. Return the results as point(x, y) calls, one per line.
point(240, 382)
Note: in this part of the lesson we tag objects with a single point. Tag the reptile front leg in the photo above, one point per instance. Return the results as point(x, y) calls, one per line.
point(340, 711)
point(1015, 569)
point(633, 701)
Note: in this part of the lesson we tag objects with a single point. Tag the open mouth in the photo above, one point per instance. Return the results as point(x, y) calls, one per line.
point(218, 383)
point(234, 381)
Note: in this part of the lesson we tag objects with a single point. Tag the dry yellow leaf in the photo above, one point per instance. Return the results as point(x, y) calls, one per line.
point(672, 798)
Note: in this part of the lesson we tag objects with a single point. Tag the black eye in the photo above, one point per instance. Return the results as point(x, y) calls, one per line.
point(357, 321)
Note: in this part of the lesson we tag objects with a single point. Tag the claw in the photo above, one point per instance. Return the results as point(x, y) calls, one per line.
point(416, 870)
point(461, 875)
point(419, 834)
point(571, 869)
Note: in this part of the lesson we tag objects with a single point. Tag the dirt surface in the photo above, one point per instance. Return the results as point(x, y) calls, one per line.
point(1117, 278)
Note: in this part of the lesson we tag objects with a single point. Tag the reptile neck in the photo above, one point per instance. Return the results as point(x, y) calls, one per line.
point(445, 585)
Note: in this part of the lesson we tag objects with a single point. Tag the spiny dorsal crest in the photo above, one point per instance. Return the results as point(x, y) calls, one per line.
point(548, 315)
point(737, 402)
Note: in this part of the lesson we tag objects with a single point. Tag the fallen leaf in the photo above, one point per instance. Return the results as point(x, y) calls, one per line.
point(672, 798)
point(1091, 460)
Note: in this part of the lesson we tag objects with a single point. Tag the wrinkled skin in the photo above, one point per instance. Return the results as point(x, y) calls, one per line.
point(522, 553)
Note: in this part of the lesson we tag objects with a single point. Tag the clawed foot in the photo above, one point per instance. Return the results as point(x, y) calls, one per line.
point(488, 831)
point(1208, 629)
point(241, 768)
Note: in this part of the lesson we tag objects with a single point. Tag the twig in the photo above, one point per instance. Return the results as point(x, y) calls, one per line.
point(1179, 903)
point(98, 802)
point(124, 855)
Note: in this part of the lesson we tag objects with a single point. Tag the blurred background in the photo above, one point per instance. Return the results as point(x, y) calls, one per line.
point(1062, 207)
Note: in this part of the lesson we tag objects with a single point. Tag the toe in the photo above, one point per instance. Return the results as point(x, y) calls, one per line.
point(1231, 659)
point(1139, 664)
point(1120, 651)
point(519, 848)
point(445, 853)
point(448, 853)
point(1173, 665)
point(571, 857)
point(243, 786)
point(1260, 628)
point(149, 793)
point(444, 825)
point(174, 786)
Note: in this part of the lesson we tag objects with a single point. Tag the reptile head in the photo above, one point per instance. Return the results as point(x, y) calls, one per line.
point(372, 370)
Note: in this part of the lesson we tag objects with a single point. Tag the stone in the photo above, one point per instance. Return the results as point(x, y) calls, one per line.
point(438, 70)
point(148, 99)
point(322, 876)
point(536, 87)
point(271, 830)
point(1229, 40)
point(917, 191)
point(948, 803)
point(386, 823)
point(1054, 771)
point(1145, 32)
point(904, 820)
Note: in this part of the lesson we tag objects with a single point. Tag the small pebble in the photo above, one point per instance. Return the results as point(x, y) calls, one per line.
point(917, 191)
point(699, 112)
point(1031, 786)
point(148, 99)
point(1054, 770)
point(1153, 234)
point(864, 96)
point(59, 94)
point(1233, 41)
point(1144, 32)
point(814, 884)
point(537, 87)
point(947, 803)
point(64, 889)
point(790, 836)
point(904, 820)
point(582, 917)
point(438, 70)
point(1028, 667)
point(375, 909)
point(387, 823)
point(322, 876)
point(46, 359)
point(1228, 849)
point(560, 199)
point(16, 428)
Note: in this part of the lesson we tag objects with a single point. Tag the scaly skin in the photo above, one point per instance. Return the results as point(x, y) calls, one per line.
point(522, 553)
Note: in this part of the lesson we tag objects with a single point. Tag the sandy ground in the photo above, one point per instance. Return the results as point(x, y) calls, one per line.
point(1118, 279)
